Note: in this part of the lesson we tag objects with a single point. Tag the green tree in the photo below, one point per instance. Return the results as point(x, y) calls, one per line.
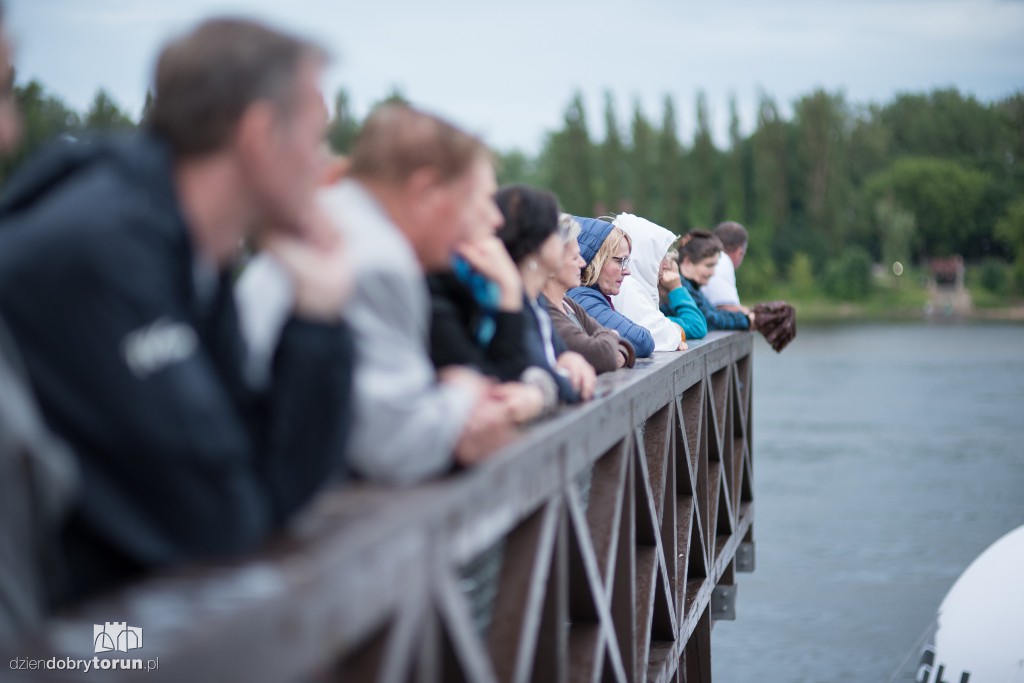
point(735, 176)
point(343, 126)
point(705, 201)
point(669, 176)
point(994, 275)
point(1011, 141)
point(396, 96)
point(848, 277)
point(801, 274)
point(945, 124)
point(758, 278)
point(944, 197)
point(896, 227)
point(821, 122)
point(516, 167)
point(44, 117)
point(614, 166)
point(104, 114)
point(642, 166)
point(1010, 230)
point(867, 154)
point(870, 143)
point(566, 161)
point(146, 106)
point(771, 174)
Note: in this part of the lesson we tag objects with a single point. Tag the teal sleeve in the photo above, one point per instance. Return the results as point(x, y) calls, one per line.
point(684, 312)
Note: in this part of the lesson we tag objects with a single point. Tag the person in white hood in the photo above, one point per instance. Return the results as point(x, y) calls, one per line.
point(638, 299)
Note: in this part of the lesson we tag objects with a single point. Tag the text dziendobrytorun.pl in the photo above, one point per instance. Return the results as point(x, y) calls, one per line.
point(72, 664)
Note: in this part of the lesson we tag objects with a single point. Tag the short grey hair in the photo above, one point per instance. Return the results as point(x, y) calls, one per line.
point(568, 227)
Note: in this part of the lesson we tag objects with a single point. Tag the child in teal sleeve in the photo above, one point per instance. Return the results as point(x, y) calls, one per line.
point(676, 302)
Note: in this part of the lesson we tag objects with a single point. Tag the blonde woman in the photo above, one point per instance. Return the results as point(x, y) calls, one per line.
point(603, 348)
point(606, 249)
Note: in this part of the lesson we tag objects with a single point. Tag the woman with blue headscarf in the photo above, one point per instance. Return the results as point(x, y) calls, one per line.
point(606, 250)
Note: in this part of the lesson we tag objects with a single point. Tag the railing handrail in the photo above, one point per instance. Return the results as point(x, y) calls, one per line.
point(362, 555)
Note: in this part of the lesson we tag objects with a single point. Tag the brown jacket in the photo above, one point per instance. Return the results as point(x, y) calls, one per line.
point(599, 345)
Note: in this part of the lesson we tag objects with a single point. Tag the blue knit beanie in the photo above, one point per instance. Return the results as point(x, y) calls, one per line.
point(593, 233)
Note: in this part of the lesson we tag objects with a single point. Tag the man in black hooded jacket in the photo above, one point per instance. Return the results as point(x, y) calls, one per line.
point(116, 260)
point(38, 476)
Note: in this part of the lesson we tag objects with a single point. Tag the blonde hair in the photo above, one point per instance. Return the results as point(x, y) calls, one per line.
point(607, 250)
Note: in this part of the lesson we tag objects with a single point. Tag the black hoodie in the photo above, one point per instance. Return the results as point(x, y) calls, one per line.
point(139, 367)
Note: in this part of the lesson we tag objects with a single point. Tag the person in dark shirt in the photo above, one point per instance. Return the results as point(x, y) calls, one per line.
point(477, 311)
point(116, 265)
point(38, 477)
point(698, 256)
point(530, 234)
point(485, 310)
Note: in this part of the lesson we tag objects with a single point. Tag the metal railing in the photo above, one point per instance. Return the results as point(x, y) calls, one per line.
point(599, 546)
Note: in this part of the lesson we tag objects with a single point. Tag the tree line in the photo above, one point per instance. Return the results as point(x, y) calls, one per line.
point(825, 192)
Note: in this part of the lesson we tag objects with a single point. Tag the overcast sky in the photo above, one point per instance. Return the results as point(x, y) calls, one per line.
point(507, 69)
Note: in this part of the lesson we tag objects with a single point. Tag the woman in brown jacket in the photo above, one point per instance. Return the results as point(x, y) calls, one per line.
point(603, 348)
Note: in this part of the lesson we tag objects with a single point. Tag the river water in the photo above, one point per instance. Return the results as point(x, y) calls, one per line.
point(886, 458)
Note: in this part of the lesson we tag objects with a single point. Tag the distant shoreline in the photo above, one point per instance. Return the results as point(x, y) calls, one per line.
point(849, 312)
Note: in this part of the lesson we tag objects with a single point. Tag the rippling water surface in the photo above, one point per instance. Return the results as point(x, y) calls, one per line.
point(886, 458)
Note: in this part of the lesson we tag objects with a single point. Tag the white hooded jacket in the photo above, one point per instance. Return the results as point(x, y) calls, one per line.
point(638, 297)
